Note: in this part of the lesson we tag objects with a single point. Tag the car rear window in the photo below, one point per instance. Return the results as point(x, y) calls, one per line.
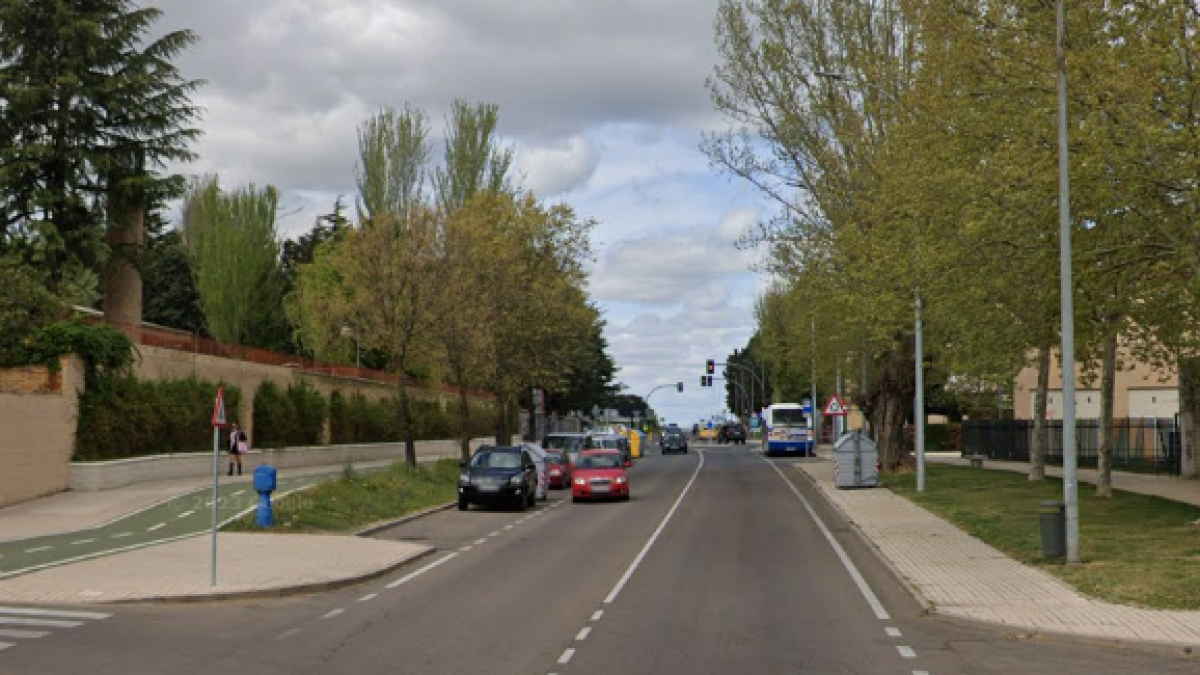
point(599, 462)
point(493, 459)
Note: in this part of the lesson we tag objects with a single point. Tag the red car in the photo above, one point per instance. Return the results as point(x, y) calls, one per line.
point(599, 474)
point(557, 469)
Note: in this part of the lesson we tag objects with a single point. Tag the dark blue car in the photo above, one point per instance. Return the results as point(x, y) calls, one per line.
point(498, 475)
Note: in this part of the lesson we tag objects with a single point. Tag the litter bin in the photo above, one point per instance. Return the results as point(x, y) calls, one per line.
point(855, 461)
point(1053, 518)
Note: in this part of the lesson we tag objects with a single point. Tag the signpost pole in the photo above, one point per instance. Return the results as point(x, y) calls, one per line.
point(218, 422)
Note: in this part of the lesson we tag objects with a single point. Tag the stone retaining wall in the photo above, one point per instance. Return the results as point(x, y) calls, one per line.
point(98, 476)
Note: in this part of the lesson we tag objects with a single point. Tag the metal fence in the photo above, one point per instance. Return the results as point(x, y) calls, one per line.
point(1140, 445)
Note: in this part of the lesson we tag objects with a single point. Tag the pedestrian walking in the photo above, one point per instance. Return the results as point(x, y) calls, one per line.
point(238, 446)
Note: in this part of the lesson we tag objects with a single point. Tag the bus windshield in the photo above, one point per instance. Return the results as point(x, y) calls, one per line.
point(788, 417)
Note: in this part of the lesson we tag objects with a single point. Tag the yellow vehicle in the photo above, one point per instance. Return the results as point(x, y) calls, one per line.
point(707, 433)
point(636, 440)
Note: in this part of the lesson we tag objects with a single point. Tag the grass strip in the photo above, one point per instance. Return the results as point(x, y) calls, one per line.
point(1136, 549)
point(355, 499)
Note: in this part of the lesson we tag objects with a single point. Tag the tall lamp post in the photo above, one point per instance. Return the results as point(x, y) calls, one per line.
point(1070, 463)
point(919, 397)
point(347, 331)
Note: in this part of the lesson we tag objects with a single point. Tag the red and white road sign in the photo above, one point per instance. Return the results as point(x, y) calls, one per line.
point(219, 418)
point(836, 407)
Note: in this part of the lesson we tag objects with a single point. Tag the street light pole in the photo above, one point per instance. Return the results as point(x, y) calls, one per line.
point(1070, 463)
point(919, 411)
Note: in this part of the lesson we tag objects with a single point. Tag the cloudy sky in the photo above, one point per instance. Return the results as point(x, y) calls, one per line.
point(603, 101)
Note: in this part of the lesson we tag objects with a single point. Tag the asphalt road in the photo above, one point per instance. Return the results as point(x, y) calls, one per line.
point(722, 562)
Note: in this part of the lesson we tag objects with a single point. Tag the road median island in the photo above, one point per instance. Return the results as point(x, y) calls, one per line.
point(357, 502)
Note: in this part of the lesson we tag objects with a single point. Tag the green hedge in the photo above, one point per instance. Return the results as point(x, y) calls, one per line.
point(121, 416)
point(294, 417)
point(357, 419)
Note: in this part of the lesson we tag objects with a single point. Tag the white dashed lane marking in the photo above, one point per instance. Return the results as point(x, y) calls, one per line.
point(83, 541)
point(185, 514)
point(599, 613)
point(892, 632)
point(332, 613)
point(566, 657)
point(121, 535)
point(369, 596)
point(156, 527)
point(466, 548)
point(480, 541)
point(583, 634)
point(287, 634)
point(907, 652)
point(37, 549)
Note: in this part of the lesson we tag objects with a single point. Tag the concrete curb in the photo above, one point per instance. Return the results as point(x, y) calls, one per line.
point(376, 528)
point(282, 592)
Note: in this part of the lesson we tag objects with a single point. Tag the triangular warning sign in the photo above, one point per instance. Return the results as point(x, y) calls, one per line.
point(219, 419)
point(835, 407)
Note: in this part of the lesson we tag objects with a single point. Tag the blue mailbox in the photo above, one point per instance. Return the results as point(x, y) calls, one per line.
point(264, 483)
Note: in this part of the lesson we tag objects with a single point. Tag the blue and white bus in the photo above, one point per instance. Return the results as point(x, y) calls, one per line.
point(787, 428)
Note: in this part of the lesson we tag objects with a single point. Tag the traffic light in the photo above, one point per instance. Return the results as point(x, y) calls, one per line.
point(679, 387)
point(710, 366)
point(703, 380)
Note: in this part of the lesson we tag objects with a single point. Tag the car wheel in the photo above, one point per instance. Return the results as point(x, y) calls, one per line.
point(574, 499)
point(463, 504)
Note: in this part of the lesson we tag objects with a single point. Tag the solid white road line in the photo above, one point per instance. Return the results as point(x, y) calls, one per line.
point(566, 657)
point(892, 632)
point(23, 634)
point(872, 599)
point(654, 537)
point(61, 614)
point(413, 575)
point(332, 613)
point(583, 634)
point(596, 616)
point(907, 652)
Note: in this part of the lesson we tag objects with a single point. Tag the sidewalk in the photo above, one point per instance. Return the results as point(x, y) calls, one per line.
point(958, 576)
point(248, 565)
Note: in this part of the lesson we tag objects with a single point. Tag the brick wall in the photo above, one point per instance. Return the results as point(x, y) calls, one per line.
point(38, 415)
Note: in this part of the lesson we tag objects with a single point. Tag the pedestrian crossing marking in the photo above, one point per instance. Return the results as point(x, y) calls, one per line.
point(62, 614)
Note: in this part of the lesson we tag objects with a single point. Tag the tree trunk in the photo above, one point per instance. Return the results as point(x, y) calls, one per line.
point(1041, 431)
point(503, 428)
point(890, 405)
point(122, 276)
point(1104, 452)
point(406, 426)
point(464, 426)
point(1189, 412)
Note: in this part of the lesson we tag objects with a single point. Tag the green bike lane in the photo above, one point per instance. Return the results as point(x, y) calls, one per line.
point(187, 515)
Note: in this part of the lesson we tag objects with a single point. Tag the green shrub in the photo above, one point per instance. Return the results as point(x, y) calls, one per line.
point(356, 419)
point(289, 418)
point(103, 348)
point(121, 416)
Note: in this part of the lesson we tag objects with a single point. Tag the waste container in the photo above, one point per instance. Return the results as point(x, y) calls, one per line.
point(855, 461)
point(1053, 518)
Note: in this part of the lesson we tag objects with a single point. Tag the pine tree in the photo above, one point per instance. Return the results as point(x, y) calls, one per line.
point(91, 116)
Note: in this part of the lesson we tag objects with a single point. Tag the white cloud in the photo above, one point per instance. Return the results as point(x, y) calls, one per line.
point(604, 103)
point(562, 167)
